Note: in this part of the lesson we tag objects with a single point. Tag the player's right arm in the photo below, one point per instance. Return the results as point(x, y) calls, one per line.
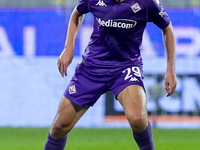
point(67, 54)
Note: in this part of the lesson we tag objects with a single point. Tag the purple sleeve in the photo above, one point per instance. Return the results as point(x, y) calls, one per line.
point(82, 6)
point(157, 14)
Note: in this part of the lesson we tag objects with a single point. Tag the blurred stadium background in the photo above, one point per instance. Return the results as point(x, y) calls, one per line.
point(32, 35)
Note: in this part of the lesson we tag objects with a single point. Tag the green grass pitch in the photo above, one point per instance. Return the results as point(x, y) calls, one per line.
point(99, 139)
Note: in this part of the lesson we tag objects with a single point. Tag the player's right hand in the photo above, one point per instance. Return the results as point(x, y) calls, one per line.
point(64, 61)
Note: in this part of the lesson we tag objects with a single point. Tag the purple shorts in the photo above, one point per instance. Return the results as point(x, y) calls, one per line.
point(86, 88)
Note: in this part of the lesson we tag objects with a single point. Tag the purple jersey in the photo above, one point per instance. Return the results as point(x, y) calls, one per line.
point(118, 30)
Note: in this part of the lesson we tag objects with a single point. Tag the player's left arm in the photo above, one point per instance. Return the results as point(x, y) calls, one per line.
point(170, 76)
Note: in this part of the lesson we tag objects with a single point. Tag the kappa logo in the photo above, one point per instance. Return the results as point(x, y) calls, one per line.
point(101, 3)
point(133, 79)
point(158, 2)
point(136, 7)
point(72, 89)
point(161, 13)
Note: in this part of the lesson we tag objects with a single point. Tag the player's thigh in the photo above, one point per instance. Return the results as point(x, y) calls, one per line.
point(133, 100)
point(68, 114)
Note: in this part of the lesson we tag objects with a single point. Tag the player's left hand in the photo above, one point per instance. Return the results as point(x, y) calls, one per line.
point(170, 82)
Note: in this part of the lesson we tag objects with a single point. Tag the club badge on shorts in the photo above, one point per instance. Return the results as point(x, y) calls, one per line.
point(72, 89)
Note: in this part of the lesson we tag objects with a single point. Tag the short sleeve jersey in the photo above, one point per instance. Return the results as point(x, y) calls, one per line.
point(118, 29)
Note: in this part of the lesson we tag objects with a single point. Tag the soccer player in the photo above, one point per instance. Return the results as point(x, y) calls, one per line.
point(112, 62)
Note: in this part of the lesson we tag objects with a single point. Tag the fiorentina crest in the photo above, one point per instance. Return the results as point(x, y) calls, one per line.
point(72, 89)
point(136, 7)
